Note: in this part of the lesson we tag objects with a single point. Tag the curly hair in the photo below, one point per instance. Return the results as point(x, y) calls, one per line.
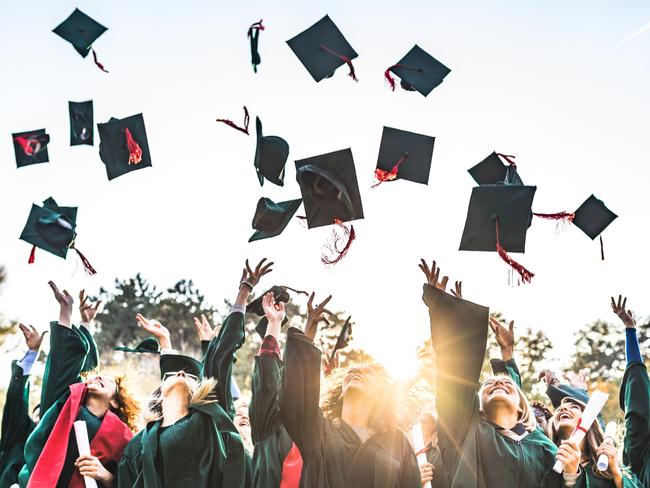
point(383, 410)
point(128, 408)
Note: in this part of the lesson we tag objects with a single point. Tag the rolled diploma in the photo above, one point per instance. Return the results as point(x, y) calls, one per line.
point(596, 403)
point(418, 443)
point(603, 460)
point(81, 434)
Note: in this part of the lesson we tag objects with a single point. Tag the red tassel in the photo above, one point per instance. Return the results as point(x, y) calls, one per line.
point(255, 26)
point(391, 80)
point(345, 59)
point(508, 158)
point(333, 252)
point(84, 260)
point(568, 216)
point(30, 145)
point(235, 126)
point(526, 276)
point(32, 256)
point(381, 175)
point(99, 65)
point(135, 153)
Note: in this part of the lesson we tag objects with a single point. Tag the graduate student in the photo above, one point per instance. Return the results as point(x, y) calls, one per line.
point(351, 441)
point(103, 402)
point(634, 398)
point(16, 422)
point(190, 440)
point(490, 437)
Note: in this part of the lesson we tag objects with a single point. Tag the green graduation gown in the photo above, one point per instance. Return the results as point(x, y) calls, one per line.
point(635, 401)
point(474, 453)
point(333, 454)
point(16, 426)
point(202, 450)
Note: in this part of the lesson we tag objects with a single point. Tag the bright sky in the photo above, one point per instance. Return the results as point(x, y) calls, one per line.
point(562, 85)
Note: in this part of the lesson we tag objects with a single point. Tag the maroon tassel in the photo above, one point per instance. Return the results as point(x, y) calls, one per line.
point(99, 65)
point(135, 152)
point(526, 276)
point(235, 126)
point(381, 175)
point(602, 249)
point(391, 80)
point(508, 158)
point(32, 256)
point(345, 59)
point(333, 252)
point(84, 260)
point(568, 216)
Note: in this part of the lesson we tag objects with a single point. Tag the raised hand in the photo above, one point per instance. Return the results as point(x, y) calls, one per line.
point(618, 307)
point(579, 379)
point(549, 377)
point(65, 305)
point(88, 311)
point(273, 311)
point(458, 289)
point(251, 278)
point(505, 337)
point(32, 338)
point(315, 315)
point(433, 274)
point(156, 329)
point(203, 328)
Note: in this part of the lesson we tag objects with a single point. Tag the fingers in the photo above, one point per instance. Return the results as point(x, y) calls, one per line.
point(444, 281)
point(266, 269)
point(82, 298)
point(96, 307)
point(54, 288)
point(425, 269)
point(197, 324)
point(204, 321)
point(511, 327)
point(324, 303)
point(26, 332)
point(613, 305)
point(310, 302)
point(259, 266)
point(248, 268)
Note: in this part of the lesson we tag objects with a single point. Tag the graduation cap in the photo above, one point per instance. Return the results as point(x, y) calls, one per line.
point(418, 70)
point(253, 36)
point(271, 155)
point(172, 363)
point(53, 229)
point(343, 338)
point(81, 123)
point(404, 155)
point(271, 218)
point(492, 171)
point(281, 295)
point(497, 220)
point(81, 31)
point(31, 147)
point(123, 145)
point(322, 49)
point(149, 345)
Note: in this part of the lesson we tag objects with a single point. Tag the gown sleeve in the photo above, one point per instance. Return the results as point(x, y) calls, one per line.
point(16, 422)
point(264, 408)
point(635, 400)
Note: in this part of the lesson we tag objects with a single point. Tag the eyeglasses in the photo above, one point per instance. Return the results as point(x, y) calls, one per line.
point(170, 374)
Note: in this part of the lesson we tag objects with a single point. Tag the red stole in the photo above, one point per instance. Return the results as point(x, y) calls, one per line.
point(291, 468)
point(107, 445)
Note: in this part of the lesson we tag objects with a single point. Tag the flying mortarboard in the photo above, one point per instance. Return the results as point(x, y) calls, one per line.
point(492, 171)
point(53, 229)
point(322, 49)
point(172, 363)
point(81, 31)
point(253, 36)
point(343, 338)
point(271, 218)
point(497, 220)
point(418, 70)
point(81, 123)
point(31, 147)
point(123, 145)
point(149, 345)
point(404, 155)
point(271, 155)
point(281, 295)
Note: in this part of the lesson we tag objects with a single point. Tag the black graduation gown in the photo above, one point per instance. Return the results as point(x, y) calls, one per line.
point(635, 401)
point(333, 455)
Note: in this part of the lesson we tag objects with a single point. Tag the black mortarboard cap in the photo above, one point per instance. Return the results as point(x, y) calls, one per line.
point(329, 187)
point(31, 147)
point(492, 171)
point(116, 145)
point(271, 155)
point(322, 49)
point(510, 205)
point(593, 217)
point(343, 338)
point(419, 71)
point(416, 149)
point(172, 363)
point(81, 123)
point(50, 227)
point(80, 31)
point(271, 218)
point(149, 345)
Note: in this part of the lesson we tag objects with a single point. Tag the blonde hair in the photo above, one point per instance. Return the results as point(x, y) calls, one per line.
point(526, 413)
point(202, 394)
point(594, 438)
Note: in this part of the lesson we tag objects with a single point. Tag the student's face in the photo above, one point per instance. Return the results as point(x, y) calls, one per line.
point(499, 390)
point(566, 418)
point(102, 386)
point(178, 379)
point(360, 379)
point(241, 420)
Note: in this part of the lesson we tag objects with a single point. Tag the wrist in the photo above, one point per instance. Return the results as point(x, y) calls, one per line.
point(246, 284)
point(507, 353)
point(165, 342)
point(64, 319)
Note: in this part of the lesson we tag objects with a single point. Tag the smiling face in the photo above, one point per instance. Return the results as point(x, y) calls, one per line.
point(566, 418)
point(102, 386)
point(499, 391)
point(360, 380)
point(241, 420)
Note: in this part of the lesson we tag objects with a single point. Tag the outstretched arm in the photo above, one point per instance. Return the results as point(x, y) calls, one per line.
point(506, 340)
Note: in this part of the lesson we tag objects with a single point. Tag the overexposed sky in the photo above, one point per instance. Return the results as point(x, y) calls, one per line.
point(551, 82)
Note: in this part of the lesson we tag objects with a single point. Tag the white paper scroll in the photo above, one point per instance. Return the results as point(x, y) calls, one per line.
point(589, 415)
point(418, 443)
point(603, 460)
point(81, 434)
